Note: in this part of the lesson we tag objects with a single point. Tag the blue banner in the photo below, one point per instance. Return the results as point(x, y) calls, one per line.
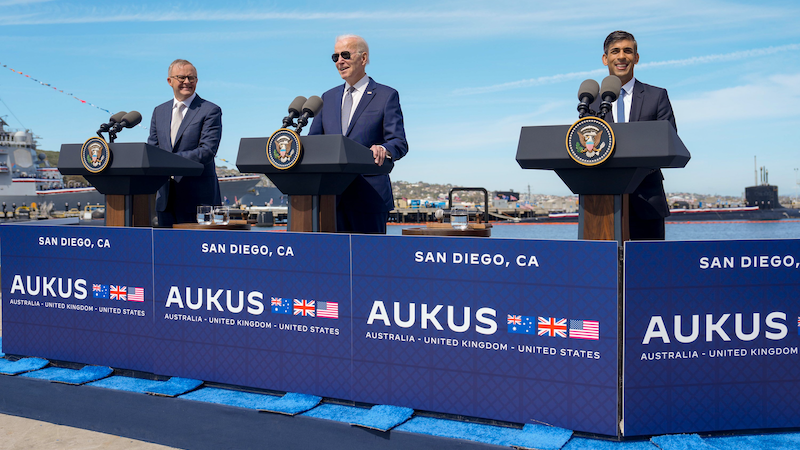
point(269, 310)
point(79, 294)
point(711, 336)
point(516, 330)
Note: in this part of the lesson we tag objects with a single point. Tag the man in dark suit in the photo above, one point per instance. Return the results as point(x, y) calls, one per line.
point(191, 127)
point(638, 102)
point(368, 113)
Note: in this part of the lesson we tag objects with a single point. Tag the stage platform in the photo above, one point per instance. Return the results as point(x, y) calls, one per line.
point(184, 423)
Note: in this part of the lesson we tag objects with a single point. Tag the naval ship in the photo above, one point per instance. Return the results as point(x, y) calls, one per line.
point(28, 179)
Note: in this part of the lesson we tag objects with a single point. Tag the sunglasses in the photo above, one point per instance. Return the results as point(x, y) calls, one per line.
point(345, 55)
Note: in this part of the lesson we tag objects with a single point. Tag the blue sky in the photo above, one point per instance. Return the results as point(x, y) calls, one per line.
point(469, 73)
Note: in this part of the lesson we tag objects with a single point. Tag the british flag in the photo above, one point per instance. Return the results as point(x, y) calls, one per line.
point(552, 327)
point(514, 320)
point(119, 292)
point(304, 308)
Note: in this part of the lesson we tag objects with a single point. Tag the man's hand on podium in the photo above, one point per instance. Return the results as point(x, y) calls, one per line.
point(380, 153)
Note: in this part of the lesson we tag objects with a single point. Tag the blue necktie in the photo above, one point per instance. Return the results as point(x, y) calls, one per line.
point(621, 107)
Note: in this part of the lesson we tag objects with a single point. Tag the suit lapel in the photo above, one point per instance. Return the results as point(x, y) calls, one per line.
point(337, 111)
point(369, 94)
point(165, 117)
point(636, 101)
point(187, 119)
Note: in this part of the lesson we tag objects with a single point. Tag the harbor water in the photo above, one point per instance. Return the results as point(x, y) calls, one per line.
point(679, 231)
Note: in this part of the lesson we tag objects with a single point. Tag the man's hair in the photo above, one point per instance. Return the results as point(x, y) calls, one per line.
point(616, 36)
point(178, 62)
point(361, 44)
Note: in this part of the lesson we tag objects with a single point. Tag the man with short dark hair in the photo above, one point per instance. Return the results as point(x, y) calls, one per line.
point(190, 127)
point(368, 113)
point(638, 102)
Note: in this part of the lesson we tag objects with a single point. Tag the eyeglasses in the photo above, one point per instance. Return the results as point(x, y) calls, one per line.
point(183, 78)
point(345, 55)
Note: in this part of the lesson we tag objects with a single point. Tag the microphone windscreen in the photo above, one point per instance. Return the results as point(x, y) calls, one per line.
point(132, 119)
point(297, 105)
point(588, 88)
point(117, 117)
point(312, 106)
point(610, 87)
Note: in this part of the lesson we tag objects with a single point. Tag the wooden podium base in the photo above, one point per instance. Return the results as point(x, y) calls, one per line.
point(142, 210)
point(604, 218)
point(301, 214)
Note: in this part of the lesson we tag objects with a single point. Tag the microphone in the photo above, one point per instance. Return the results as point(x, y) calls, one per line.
point(311, 108)
point(609, 91)
point(111, 121)
point(294, 111)
point(130, 120)
point(586, 94)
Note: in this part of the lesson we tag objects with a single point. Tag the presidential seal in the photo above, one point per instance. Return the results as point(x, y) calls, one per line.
point(95, 154)
point(284, 149)
point(590, 141)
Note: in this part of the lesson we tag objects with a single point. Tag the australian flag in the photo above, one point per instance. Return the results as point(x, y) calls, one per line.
point(100, 291)
point(281, 305)
point(521, 324)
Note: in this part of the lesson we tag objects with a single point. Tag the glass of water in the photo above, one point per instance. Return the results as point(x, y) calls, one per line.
point(204, 215)
point(459, 218)
point(222, 215)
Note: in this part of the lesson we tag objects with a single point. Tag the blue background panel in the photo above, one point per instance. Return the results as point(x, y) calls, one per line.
point(518, 382)
point(711, 387)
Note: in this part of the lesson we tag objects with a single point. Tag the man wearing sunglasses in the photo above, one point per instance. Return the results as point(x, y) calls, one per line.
point(368, 113)
point(191, 127)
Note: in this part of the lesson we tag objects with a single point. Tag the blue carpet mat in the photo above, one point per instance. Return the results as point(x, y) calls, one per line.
point(289, 404)
point(597, 444)
point(23, 365)
point(681, 442)
point(531, 436)
point(175, 386)
point(338, 413)
point(71, 376)
point(129, 384)
point(781, 441)
point(383, 417)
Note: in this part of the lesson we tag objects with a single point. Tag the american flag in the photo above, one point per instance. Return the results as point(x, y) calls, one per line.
point(521, 324)
point(281, 305)
point(135, 294)
point(552, 327)
point(328, 309)
point(118, 293)
point(100, 290)
point(584, 329)
point(304, 308)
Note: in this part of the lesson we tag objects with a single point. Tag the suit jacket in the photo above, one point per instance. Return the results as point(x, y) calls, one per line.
point(198, 140)
point(648, 201)
point(377, 120)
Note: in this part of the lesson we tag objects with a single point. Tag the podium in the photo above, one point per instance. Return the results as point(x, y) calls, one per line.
point(328, 165)
point(135, 172)
point(640, 148)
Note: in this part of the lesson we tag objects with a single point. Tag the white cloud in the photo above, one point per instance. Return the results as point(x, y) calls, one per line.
point(552, 79)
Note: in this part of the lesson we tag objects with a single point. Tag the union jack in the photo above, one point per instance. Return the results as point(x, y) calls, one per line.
point(552, 327)
point(304, 308)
